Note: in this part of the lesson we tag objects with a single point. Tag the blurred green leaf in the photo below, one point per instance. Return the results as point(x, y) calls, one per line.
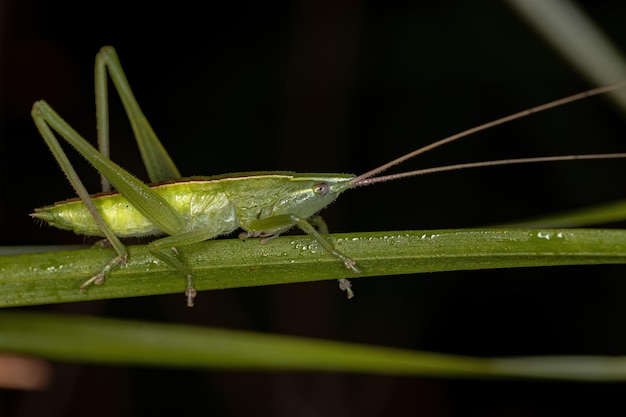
point(107, 341)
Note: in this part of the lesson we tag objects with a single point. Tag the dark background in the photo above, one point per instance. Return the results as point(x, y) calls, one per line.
point(331, 86)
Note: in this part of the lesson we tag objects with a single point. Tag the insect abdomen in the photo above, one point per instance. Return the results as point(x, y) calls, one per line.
point(116, 211)
point(196, 201)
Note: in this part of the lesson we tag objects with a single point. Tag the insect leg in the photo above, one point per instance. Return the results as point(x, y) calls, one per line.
point(42, 118)
point(319, 223)
point(169, 256)
point(277, 222)
point(157, 161)
point(145, 200)
point(322, 228)
point(165, 250)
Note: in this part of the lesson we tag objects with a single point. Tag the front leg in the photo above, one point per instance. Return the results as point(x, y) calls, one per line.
point(286, 220)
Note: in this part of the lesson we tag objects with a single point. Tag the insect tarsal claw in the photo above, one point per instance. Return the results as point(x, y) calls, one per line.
point(345, 285)
point(190, 293)
point(351, 264)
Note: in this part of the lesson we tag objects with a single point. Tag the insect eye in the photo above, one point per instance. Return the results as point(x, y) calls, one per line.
point(321, 189)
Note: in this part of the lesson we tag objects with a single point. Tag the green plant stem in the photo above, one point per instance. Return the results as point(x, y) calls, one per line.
point(54, 277)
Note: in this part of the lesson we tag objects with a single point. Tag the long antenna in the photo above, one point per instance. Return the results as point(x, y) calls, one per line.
point(391, 177)
point(366, 179)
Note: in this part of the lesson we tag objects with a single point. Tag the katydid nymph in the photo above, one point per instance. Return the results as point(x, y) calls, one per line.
point(192, 210)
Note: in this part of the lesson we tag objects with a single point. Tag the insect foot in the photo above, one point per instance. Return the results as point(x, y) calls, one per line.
point(98, 279)
point(345, 285)
point(351, 264)
point(190, 293)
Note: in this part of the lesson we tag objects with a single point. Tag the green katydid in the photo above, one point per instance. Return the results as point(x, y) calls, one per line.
point(191, 210)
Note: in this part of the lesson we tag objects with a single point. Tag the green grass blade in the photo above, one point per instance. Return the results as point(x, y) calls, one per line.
point(602, 214)
point(107, 341)
point(54, 277)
